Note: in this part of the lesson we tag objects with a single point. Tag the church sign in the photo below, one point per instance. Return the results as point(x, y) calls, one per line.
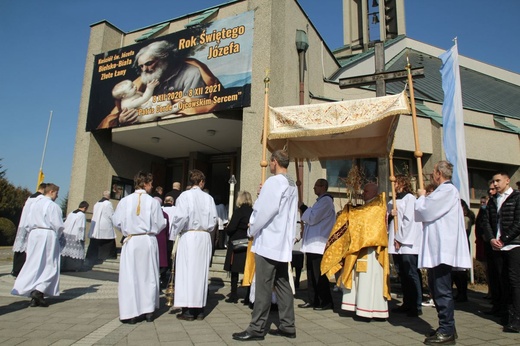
point(201, 69)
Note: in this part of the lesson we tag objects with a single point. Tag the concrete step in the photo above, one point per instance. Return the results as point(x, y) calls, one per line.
point(216, 271)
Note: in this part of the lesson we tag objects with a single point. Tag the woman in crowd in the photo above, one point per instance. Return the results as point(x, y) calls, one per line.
point(237, 232)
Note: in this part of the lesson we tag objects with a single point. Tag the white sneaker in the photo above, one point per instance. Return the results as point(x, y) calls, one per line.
point(429, 302)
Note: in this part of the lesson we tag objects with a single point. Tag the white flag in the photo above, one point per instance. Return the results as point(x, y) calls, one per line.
point(453, 121)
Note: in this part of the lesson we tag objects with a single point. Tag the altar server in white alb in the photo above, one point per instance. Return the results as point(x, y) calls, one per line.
point(73, 239)
point(195, 219)
point(20, 242)
point(405, 245)
point(272, 225)
point(444, 247)
point(139, 217)
point(41, 273)
point(102, 236)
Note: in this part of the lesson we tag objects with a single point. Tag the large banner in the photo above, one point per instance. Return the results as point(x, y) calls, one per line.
point(202, 69)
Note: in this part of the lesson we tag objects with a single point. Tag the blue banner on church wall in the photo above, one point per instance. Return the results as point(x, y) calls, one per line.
point(201, 69)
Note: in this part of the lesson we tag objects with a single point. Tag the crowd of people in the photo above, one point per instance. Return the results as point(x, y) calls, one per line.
point(427, 230)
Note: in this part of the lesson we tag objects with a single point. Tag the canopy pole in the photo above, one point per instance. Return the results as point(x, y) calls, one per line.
point(392, 181)
point(263, 163)
point(417, 153)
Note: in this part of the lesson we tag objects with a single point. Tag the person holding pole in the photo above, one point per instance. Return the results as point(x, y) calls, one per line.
point(445, 246)
point(404, 245)
point(272, 225)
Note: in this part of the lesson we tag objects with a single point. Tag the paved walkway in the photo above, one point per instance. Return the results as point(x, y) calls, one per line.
point(86, 313)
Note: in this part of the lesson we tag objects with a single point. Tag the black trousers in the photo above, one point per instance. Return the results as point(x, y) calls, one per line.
point(318, 287)
point(512, 271)
point(18, 262)
point(439, 280)
point(411, 281)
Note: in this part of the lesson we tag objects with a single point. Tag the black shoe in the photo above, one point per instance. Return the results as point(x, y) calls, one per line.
point(324, 307)
point(461, 299)
point(34, 303)
point(414, 313)
point(493, 312)
point(510, 328)
point(232, 299)
point(185, 317)
point(132, 320)
point(400, 309)
point(200, 316)
point(38, 296)
point(432, 333)
point(305, 305)
point(245, 336)
point(440, 339)
point(278, 332)
point(149, 317)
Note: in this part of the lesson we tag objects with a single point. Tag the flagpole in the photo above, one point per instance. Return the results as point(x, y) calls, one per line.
point(417, 153)
point(40, 174)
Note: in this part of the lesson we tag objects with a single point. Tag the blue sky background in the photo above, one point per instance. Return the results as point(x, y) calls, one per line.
point(44, 45)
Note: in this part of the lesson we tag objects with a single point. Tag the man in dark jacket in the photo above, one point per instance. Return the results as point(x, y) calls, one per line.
point(502, 231)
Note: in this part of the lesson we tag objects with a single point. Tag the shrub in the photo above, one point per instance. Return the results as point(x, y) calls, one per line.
point(7, 231)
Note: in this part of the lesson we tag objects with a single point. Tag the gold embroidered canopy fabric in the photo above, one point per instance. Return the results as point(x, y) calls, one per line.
point(345, 129)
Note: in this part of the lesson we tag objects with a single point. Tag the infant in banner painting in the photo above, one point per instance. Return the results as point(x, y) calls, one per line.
point(358, 244)
point(129, 97)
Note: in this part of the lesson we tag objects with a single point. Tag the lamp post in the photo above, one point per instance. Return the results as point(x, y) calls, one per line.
point(232, 181)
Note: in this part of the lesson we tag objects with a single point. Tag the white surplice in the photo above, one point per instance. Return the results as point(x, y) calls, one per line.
point(41, 270)
point(140, 218)
point(409, 232)
point(74, 235)
point(273, 220)
point(444, 234)
point(101, 225)
point(319, 220)
point(195, 218)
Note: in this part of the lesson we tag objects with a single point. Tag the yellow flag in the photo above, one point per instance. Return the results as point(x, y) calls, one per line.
point(41, 176)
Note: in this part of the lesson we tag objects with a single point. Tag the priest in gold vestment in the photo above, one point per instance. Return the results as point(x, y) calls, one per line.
point(358, 245)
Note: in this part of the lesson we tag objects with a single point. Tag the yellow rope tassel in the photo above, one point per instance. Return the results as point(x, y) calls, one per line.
point(138, 205)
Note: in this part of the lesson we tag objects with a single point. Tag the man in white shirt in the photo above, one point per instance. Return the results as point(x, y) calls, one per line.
point(102, 236)
point(444, 247)
point(272, 225)
point(319, 220)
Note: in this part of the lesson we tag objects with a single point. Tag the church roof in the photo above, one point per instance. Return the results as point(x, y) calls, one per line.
point(480, 92)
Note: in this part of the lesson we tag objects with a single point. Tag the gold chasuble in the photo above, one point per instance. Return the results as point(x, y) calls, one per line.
point(355, 230)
